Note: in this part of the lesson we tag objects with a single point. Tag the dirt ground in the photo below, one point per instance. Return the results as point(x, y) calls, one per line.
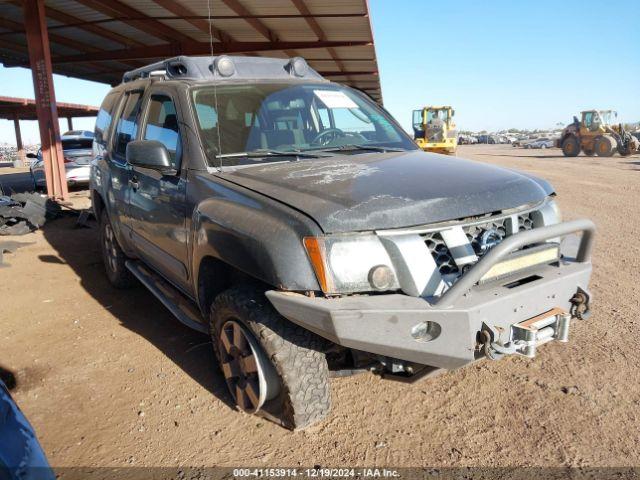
point(109, 378)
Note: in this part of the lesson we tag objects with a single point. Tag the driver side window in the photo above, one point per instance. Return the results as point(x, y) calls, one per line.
point(162, 126)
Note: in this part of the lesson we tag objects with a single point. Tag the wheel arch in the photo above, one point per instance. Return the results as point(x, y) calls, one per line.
point(97, 204)
point(215, 276)
point(259, 242)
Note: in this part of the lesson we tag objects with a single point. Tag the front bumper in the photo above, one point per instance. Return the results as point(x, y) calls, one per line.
point(388, 324)
point(447, 145)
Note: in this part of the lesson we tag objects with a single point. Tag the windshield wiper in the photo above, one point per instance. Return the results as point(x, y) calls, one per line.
point(272, 153)
point(355, 147)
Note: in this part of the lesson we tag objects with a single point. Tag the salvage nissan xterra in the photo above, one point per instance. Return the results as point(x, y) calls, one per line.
point(294, 221)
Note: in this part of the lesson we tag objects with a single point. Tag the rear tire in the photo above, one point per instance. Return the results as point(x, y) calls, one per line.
point(113, 257)
point(604, 146)
point(571, 146)
point(300, 395)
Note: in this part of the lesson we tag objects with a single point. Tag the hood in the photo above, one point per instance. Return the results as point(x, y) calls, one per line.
point(375, 191)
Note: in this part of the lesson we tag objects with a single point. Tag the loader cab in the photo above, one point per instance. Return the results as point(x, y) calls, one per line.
point(435, 114)
point(595, 120)
point(429, 116)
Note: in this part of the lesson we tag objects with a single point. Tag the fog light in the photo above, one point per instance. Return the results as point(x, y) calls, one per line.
point(426, 331)
point(381, 277)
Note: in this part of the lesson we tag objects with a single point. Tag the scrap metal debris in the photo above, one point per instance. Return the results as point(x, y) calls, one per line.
point(22, 213)
point(83, 217)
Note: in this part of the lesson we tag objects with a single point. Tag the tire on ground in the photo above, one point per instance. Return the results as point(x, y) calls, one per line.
point(605, 146)
point(295, 353)
point(113, 257)
point(570, 146)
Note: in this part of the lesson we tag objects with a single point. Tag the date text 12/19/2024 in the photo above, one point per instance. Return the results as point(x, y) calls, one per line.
point(315, 472)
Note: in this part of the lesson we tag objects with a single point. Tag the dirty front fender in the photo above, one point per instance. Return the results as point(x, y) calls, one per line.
point(252, 233)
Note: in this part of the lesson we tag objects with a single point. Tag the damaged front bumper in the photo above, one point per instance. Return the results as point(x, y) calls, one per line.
point(514, 315)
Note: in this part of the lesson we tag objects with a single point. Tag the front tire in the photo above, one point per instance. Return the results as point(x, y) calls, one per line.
point(113, 257)
point(571, 147)
point(271, 365)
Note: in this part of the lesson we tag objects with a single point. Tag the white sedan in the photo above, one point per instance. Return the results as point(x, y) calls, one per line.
point(77, 151)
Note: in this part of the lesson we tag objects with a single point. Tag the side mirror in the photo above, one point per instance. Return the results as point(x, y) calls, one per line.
point(31, 155)
point(148, 154)
point(453, 113)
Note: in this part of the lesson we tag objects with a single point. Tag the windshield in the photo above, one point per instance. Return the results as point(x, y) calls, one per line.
point(437, 115)
point(290, 118)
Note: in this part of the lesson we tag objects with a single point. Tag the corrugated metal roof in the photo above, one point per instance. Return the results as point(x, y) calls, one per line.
point(100, 40)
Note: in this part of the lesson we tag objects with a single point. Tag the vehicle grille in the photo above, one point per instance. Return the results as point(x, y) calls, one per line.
point(443, 257)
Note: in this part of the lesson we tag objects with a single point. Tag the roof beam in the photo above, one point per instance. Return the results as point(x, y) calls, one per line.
point(317, 29)
point(59, 39)
point(198, 48)
point(54, 38)
point(14, 47)
point(22, 59)
point(311, 21)
point(257, 25)
point(81, 23)
point(115, 8)
point(350, 74)
point(187, 15)
point(69, 21)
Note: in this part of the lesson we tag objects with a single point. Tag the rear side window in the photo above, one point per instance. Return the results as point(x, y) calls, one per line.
point(103, 120)
point(127, 126)
point(162, 125)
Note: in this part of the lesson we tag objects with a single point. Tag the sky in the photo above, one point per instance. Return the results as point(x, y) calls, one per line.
point(500, 63)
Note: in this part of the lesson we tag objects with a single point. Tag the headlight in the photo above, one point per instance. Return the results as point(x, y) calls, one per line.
point(547, 214)
point(349, 264)
point(555, 209)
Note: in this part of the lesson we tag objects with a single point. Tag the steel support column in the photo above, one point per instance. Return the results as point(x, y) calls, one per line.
point(69, 123)
point(21, 156)
point(41, 72)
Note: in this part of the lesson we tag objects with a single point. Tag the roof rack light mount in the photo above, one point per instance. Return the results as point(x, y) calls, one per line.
point(225, 66)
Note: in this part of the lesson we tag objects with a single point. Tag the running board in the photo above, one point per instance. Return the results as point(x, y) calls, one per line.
point(181, 307)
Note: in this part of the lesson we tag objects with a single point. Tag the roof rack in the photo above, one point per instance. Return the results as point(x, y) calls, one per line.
point(223, 66)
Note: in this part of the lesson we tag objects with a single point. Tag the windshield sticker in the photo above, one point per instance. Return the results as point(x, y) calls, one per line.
point(335, 99)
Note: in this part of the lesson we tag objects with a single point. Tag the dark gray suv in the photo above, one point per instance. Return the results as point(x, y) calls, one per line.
point(294, 221)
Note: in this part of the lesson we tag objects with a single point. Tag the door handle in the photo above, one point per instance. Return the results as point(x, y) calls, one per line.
point(133, 183)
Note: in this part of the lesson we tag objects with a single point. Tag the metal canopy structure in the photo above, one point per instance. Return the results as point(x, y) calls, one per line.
point(25, 109)
point(100, 40)
point(16, 109)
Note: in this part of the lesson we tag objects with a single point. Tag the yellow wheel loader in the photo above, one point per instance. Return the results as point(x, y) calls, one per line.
point(434, 130)
point(595, 134)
